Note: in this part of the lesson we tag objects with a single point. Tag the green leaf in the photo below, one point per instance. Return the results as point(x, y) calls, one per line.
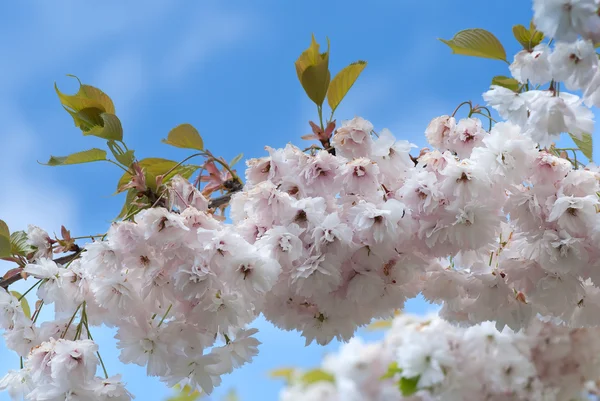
point(315, 81)
point(86, 108)
point(185, 136)
point(317, 375)
point(380, 325)
point(231, 396)
point(153, 167)
point(4, 231)
point(126, 158)
point(235, 160)
point(342, 82)
point(478, 43)
point(185, 394)
point(283, 373)
point(108, 127)
point(19, 245)
point(313, 72)
point(87, 156)
point(392, 371)
point(87, 96)
point(24, 303)
point(506, 82)
point(409, 386)
point(5, 246)
point(128, 207)
point(584, 144)
point(307, 58)
point(528, 38)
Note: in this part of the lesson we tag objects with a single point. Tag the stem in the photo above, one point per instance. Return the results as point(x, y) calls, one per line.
point(37, 313)
point(70, 321)
point(461, 105)
point(88, 236)
point(21, 361)
point(181, 162)
point(89, 333)
point(165, 315)
point(118, 165)
point(320, 110)
point(226, 167)
point(30, 288)
point(80, 325)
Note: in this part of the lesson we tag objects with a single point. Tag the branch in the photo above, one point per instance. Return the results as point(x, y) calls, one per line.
point(5, 283)
point(233, 186)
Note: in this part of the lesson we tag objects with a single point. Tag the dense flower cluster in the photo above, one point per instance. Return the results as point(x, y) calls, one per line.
point(173, 284)
point(443, 362)
point(496, 225)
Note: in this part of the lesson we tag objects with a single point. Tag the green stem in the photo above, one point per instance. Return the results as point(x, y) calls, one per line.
point(118, 165)
point(70, 321)
point(183, 161)
point(461, 105)
point(37, 313)
point(30, 288)
point(89, 333)
point(80, 325)
point(165, 315)
point(320, 110)
point(89, 236)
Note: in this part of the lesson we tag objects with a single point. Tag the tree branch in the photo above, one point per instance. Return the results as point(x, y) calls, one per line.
point(5, 283)
point(233, 186)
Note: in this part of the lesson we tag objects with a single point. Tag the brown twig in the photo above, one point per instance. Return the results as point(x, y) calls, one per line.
point(62, 260)
point(233, 186)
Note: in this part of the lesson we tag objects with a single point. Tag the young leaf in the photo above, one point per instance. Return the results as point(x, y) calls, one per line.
point(313, 72)
point(185, 136)
point(528, 38)
point(185, 394)
point(109, 127)
point(379, 325)
point(235, 160)
point(307, 58)
point(409, 386)
point(87, 156)
point(231, 396)
point(24, 304)
point(86, 108)
point(126, 158)
point(127, 206)
point(154, 167)
point(4, 231)
point(342, 82)
point(283, 373)
point(392, 371)
point(478, 43)
point(87, 96)
point(5, 247)
point(317, 375)
point(19, 245)
point(506, 82)
point(584, 144)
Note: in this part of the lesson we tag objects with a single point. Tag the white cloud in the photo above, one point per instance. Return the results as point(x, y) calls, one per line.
point(26, 198)
point(124, 78)
point(207, 33)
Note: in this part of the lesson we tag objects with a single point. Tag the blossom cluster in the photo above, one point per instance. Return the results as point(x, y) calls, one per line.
point(444, 362)
point(496, 225)
point(173, 284)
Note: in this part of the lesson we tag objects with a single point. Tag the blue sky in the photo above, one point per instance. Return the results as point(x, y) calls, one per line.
point(227, 68)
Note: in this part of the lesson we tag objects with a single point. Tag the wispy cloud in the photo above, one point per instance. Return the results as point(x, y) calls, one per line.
point(208, 33)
